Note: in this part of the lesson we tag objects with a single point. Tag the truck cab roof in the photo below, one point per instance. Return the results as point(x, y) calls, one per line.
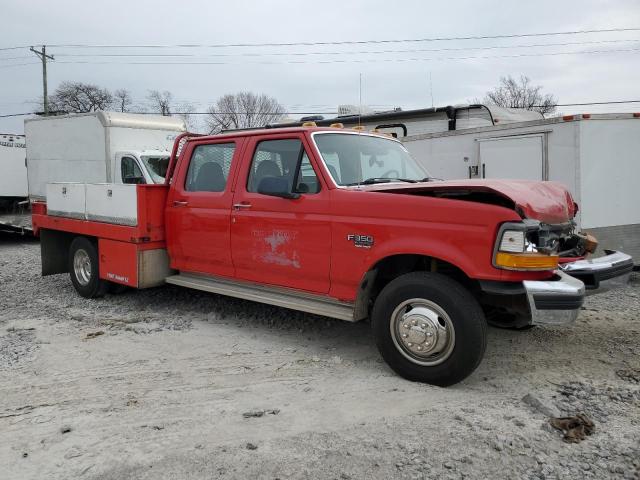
point(285, 130)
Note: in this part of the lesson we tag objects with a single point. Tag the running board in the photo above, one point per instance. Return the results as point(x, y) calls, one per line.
point(280, 297)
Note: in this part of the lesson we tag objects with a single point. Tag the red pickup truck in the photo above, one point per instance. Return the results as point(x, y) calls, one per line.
point(340, 223)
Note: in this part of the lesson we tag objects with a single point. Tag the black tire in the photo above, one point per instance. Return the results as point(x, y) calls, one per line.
point(87, 281)
point(461, 313)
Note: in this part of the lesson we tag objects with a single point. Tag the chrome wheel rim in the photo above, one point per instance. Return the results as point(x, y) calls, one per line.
point(82, 267)
point(422, 332)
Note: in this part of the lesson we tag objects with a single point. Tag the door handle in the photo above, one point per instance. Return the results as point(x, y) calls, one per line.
point(180, 203)
point(241, 205)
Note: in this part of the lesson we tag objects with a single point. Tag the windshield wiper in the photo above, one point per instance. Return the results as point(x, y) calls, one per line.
point(373, 180)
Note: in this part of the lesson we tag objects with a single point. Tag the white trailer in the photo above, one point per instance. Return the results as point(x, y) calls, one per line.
point(13, 182)
point(98, 147)
point(13, 168)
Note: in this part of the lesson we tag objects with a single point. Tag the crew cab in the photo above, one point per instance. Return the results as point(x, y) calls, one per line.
point(340, 223)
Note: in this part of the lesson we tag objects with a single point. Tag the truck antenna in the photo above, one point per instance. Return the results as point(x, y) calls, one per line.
point(431, 89)
point(360, 107)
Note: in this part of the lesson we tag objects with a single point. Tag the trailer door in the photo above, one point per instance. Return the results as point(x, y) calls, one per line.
point(520, 157)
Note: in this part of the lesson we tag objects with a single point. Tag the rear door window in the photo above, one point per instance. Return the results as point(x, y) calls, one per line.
point(209, 167)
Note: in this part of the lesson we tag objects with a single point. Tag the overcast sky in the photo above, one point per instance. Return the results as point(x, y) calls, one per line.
point(331, 73)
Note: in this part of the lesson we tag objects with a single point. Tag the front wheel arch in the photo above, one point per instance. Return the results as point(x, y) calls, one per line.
point(391, 267)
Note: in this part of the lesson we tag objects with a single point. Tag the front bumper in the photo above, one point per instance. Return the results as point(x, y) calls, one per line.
point(603, 273)
point(557, 301)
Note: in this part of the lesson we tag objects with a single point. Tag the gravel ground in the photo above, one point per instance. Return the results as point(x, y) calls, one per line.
point(171, 383)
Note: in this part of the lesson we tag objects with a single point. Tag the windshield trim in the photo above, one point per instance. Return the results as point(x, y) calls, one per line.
point(342, 132)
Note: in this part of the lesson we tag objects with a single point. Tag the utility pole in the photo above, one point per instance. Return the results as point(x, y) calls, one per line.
point(43, 56)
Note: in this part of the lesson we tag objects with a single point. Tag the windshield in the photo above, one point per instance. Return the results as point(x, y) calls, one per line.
point(355, 159)
point(156, 166)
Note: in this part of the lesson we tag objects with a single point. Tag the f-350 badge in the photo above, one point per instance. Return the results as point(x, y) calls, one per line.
point(361, 241)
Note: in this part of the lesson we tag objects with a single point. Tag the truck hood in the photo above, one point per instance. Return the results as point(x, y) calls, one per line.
point(547, 202)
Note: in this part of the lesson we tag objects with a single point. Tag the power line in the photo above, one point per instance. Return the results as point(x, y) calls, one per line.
point(357, 52)
point(342, 42)
point(3, 49)
point(15, 58)
point(372, 60)
point(20, 64)
point(354, 42)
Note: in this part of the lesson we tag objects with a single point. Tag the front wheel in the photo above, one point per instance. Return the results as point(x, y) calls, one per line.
point(429, 328)
point(84, 268)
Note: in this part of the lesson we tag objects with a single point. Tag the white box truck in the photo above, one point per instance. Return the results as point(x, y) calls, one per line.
point(596, 156)
point(97, 147)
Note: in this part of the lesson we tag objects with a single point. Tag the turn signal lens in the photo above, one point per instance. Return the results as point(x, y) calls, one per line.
point(526, 261)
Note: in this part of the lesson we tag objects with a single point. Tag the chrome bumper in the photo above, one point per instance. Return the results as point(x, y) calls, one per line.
point(556, 301)
point(603, 273)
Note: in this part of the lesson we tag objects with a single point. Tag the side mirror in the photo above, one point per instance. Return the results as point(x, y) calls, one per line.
point(276, 187)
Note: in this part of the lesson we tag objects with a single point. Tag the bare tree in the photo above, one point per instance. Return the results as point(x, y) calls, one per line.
point(122, 100)
point(520, 93)
point(160, 101)
point(184, 111)
point(80, 97)
point(243, 110)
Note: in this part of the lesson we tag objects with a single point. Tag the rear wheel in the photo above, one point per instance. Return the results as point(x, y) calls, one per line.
point(84, 268)
point(429, 328)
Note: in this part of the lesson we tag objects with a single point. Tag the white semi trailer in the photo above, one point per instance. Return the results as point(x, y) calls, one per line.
point(596, 156)
point(96, 147)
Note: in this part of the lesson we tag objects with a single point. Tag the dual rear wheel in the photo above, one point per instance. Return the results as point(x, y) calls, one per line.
point(84, 270)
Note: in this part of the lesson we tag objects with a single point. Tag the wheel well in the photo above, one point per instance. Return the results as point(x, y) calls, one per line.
point(392, 267)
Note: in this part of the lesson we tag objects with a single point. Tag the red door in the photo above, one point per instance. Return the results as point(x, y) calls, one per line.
point(199, 208)
point(281, 241)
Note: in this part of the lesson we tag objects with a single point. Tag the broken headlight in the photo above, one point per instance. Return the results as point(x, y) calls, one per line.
point(516, 248)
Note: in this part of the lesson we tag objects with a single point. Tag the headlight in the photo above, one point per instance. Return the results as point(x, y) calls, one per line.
point(512, 241)
point(514, 252)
